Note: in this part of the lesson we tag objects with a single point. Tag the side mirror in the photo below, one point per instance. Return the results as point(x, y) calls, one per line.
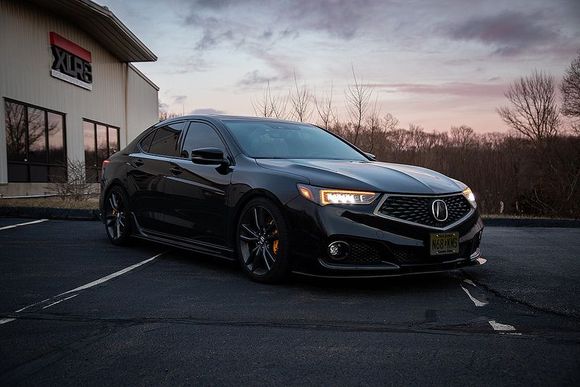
point(208, 156)
point(371, 156)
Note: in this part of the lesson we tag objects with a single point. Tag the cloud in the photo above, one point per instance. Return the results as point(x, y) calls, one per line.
point(194, 63)
point(277, 62)
point(255, 78)
point(461, 89)
point(267, 34)
point(179, 99)
point(163, 107)
point(213, 4)
point(214, 30)
point(207, 111)
point(338, 18)
point(509, 33)
point(288, 33)
point(280, 69)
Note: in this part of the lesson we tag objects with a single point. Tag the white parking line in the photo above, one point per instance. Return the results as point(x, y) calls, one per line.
point(83, 287)
point(31, 305)
point(59, 301)
point(503, 328)
point(111, 276)
point(23, 224)
point(468, 281)
point(473, 299)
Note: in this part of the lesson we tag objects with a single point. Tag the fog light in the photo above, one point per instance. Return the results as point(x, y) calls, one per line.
point(338, 250)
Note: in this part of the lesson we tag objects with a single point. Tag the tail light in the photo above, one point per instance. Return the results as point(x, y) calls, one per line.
point(105, 164)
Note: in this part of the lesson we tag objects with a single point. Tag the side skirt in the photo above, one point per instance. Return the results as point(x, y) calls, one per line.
point(183, 243)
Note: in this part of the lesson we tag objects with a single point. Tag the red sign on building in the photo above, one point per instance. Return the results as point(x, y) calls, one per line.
point(70, 62)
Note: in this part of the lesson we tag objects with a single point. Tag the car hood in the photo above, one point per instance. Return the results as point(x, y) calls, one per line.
point(366, 175)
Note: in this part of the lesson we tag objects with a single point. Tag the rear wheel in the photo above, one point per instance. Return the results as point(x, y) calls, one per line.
point(262, 241)
point(117, 221)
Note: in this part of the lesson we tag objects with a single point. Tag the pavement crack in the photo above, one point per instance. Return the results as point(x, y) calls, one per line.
point(527, 304)
point(335, 326)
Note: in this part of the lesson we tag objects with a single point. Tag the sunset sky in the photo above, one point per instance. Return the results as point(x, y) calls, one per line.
point(432, 63)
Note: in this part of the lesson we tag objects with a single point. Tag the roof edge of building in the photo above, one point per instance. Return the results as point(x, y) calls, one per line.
point(112, 32)
point(145, 78)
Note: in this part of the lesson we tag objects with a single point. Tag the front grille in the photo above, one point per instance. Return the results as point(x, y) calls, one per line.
point(417, 209)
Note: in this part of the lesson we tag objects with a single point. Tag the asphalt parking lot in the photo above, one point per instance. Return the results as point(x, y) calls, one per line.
point(75, 309)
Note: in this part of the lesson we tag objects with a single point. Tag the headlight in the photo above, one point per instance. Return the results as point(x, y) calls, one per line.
point(470, 197)
point(324, 196)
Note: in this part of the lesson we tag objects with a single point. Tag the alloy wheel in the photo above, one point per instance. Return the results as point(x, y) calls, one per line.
point(259, 240)
point(116, 216)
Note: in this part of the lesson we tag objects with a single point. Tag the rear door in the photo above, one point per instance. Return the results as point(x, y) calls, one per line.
point(196, 193)
point(148, 174)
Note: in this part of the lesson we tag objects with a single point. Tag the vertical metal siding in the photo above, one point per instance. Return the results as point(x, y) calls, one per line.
point(25, 76)
point(143, 104)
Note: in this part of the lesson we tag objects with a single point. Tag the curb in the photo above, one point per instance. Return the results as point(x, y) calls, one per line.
point(532, 222)
point(50, 213)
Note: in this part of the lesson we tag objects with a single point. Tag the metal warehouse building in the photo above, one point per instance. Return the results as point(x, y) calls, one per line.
point(69, 91)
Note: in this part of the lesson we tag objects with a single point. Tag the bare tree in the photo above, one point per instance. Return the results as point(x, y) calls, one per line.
point(279, 105)
point(325, 110)
point(300, 99)
point(390, 122)
point(357, 96)
point(269, 105)
point(463, 136)
point(262, 107)
point(570, 89)
point(533, 111)
point(167, 115)
point(373, 122)
point(75, 185)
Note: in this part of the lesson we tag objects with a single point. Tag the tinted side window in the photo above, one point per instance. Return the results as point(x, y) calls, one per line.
point(200, 135)
point(166, 140)
point(146, 142)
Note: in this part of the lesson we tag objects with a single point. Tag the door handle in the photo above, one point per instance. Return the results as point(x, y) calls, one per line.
point(138, 163)
point(176, 170)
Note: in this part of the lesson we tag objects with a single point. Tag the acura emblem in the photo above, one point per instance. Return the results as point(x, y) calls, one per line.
point(439, 210)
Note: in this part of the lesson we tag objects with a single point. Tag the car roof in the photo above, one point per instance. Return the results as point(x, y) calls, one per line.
point(224, 117)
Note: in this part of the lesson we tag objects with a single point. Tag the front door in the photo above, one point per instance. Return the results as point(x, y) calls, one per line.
point(197, 193)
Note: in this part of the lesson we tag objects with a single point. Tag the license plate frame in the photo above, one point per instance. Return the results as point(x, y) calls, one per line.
point(444, 243)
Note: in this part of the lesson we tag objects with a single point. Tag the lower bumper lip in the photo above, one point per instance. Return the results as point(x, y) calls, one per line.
point(370, 273)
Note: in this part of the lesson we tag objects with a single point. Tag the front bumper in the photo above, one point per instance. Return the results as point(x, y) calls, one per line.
point(379, 246)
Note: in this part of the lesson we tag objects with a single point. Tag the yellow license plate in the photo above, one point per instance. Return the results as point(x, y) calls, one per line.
point(444, 243)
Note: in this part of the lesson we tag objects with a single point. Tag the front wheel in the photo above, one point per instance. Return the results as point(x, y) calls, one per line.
point(116, 214)
point(262, 241)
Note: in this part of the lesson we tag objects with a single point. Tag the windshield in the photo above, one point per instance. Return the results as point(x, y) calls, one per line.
point(282, 140)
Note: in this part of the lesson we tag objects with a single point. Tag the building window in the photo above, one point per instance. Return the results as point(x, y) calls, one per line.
point(101, 141)
point(35, 143)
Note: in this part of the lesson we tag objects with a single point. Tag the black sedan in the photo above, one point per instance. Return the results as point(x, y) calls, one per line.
point(282, 196)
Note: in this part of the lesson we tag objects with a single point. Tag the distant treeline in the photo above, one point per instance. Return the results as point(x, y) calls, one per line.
point(509, 174)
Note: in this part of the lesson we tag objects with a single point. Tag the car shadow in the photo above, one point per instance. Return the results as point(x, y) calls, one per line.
point(392, 285)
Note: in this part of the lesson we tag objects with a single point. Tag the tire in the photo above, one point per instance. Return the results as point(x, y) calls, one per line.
point(117, 217)
point(262, 241)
